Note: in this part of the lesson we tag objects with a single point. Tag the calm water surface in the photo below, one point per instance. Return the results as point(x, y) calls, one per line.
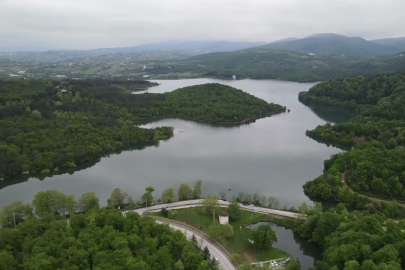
point(272, 156)
point(298, 248)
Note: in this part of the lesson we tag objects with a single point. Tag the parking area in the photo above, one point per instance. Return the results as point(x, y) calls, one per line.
point(274, 264)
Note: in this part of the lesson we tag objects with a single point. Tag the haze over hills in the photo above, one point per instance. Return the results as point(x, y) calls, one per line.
point(398, 43)
point(203, 46)
point(285, 39)
point(285, 65)
point(333, 44)
point(325, 44)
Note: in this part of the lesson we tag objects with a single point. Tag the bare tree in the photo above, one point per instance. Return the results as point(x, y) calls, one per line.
point(272, 202)
point(263, 201)
point(222, 195)
point(256, 198)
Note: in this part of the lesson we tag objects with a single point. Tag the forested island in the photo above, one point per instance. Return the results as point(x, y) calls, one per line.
point(49, 125)
point(375, 164)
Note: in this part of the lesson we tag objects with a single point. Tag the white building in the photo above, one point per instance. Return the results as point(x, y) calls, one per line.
point(223, 218)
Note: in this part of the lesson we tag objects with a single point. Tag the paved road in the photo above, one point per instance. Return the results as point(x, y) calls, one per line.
point(195, 203)
point(224, 262)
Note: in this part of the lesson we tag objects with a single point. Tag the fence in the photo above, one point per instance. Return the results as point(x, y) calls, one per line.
point(202, 234)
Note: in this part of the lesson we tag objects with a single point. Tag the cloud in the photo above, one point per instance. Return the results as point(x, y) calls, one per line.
point(109, 23)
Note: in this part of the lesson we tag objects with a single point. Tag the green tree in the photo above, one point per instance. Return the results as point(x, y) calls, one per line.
point(71, 204)
point(36, 114)
point(117, 198)
point(293, 265)
point(234, 211)
point(352, 265)
point(209, 204)
point(264, 237)
point(164, 212)
point(173, 214)
point(179, 265)
point(39, 261)
point(147, 197)
point(197, 190)
point(303, 208)
point(47, 202)
point(392, 143)
point(184, 192)
point(326, 225)
point(7, 261)
point(220, 232)
point(16, 211)
point(88, 201)
point(168, 195)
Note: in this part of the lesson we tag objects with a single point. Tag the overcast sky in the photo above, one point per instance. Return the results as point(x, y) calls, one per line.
point(87, 24)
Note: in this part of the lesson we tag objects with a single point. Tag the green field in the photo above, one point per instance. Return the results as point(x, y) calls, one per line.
point(239, 242)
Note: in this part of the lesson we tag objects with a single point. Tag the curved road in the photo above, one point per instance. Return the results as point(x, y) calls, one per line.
point(196, 203)
point(224, 262)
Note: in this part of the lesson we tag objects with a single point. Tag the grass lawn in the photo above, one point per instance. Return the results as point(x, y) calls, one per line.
point(239, 242)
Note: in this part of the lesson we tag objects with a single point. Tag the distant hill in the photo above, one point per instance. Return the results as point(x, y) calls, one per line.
point(285, 65)
point(228, 46)
point(398, 43)
point(333, 44)
point(284, 39)
point(203, 46)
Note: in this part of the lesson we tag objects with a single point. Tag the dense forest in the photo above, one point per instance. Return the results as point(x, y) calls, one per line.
point(375, 164)
point(353, 240)
point(50, 125)
point(91, 238)
point(262, 63)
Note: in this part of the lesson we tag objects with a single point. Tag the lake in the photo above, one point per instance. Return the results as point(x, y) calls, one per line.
point(298, 248)
point(272, 156)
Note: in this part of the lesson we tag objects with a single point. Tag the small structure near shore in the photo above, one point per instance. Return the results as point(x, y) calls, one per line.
point(223, 218)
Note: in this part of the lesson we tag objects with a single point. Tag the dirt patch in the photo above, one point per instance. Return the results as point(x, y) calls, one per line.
point(250, 257)
point(343, 178)
point(361, 139)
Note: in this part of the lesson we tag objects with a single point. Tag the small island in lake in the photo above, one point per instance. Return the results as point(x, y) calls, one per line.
point(49, 125)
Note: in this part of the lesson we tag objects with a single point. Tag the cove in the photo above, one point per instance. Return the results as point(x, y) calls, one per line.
point(272, 156)
point(298, 248)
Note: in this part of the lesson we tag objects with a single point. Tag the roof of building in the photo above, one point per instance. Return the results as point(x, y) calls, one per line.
point(224, 214)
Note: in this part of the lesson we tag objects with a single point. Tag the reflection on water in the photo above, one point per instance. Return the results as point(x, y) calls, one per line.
point(272, 156)
point(333, 114)
point(297, 247)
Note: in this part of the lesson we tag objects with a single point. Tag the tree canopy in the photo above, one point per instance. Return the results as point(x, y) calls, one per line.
point(264, 237)
point(51, 125)
point(375, 165)
point(97, 239)
point(354, 241)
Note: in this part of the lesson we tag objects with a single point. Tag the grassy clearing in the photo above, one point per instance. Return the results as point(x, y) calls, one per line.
point(239, 242)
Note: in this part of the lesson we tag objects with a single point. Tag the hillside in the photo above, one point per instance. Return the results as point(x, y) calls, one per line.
point(283, 65)
point(375, 164)
point(332, 44)
point(398, 43)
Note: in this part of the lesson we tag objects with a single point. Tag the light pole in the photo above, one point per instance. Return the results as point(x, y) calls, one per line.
point(14, 219)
